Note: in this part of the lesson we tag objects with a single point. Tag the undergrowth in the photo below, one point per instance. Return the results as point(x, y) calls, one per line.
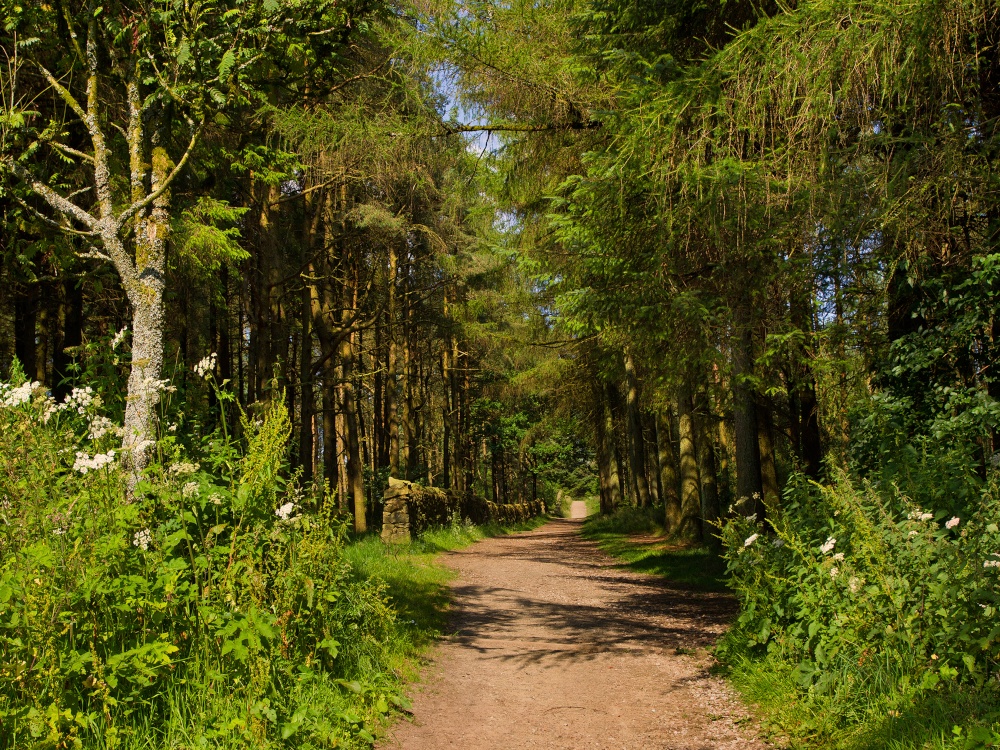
point(219, 605)
point(868, 621)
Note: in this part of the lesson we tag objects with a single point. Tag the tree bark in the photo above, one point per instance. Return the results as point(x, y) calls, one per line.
point(690, 520)
point(749, 489)
point(636, 449)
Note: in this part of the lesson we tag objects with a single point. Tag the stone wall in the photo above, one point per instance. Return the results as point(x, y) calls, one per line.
point(410, 509)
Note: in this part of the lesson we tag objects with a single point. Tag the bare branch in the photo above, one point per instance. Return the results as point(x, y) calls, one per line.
point(518, 127)
point(65, 95)
point(52, 222)
point(50, 196)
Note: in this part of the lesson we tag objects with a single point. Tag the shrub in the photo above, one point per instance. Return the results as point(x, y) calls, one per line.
point(869, 596)
point(213, 609)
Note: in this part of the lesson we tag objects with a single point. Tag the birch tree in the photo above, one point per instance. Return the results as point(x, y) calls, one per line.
point(122, 92)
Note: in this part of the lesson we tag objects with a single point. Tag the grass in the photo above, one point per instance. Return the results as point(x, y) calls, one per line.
point(636, 537)
point(951, 717)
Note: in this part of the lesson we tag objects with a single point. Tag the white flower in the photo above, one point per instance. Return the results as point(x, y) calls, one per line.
point(100, 426)
point(190, 489)
point(991, 564)
point(119, 337)
point(926, 516)
point(750, 540)
point(839, 556)
point(141, 539)
point(284, 513)
point(952, 523)
point(752, 518)
point(854, 584)
point(778, 543)
point(11, 397)
point(834, 571)
point(85, 463)
point(58, 531)
point(912, 533)
point(827, 546)
point(183, 468)
point(215, 498)
point(206, 366)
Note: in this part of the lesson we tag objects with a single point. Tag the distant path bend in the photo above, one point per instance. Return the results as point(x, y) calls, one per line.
point(554, 647)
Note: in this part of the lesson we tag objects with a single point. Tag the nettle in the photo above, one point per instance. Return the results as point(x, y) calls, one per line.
point(864, 589)
point(220, 593)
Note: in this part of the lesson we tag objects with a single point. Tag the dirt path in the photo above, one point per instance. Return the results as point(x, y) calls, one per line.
point(555, 647)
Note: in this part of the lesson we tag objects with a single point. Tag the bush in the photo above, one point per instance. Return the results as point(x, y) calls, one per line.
point(873, 599)
point(213, 609)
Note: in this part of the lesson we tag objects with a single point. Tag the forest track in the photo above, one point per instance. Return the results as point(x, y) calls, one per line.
point(553, 645)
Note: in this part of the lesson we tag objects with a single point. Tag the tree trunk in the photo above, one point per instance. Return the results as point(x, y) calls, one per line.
point(607, 467)
point(705, 423)
point(768, 467)
point(669, 474)
point(749, 490)
point(690, 523)
point(636, 449)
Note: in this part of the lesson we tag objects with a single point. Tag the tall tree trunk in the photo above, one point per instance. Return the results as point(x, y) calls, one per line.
point(705, 423)
point(768, 466)
point(607, 467)
point(636, 447)
point(749, 489)
point(355, 471)
point(690, 521)
point(669, 474)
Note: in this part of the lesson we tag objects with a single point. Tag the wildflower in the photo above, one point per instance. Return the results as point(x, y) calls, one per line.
point(839, 556)
point(206, 366)
point(752, 518)
point(926, 516)
point(85, 463)
point(912, 533)
point(284, 513)
point(991, 564)
point(183, 468)
point(215, 498)
point(119, 338)
point(190, 489)
point(854, 584)
point(834, 571)
point(141, 539)
point(827, 546)
point(101, 426)
point(952, 523)
point(777, 543)
point(750, 540)
point(11, 397)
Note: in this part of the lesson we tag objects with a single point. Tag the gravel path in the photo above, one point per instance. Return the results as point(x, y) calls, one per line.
point(553, 646)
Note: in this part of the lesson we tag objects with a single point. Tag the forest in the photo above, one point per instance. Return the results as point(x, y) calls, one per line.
point(725, 267)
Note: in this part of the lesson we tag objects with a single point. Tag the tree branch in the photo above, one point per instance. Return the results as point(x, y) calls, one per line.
point(50, 196)
point(518, 127)
point(139, 205)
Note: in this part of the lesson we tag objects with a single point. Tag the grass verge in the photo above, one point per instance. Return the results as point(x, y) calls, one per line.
point(636, 537)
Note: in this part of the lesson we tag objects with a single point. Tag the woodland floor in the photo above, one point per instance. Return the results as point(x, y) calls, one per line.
point(553, 645)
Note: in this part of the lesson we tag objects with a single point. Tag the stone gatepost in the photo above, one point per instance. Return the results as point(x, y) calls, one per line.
point(395, 516)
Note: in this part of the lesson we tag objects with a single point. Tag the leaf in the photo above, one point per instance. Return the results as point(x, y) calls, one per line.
point(226, 64)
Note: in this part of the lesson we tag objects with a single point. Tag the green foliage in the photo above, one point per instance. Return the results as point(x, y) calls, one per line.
point(873, 602)
point(214, 609)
